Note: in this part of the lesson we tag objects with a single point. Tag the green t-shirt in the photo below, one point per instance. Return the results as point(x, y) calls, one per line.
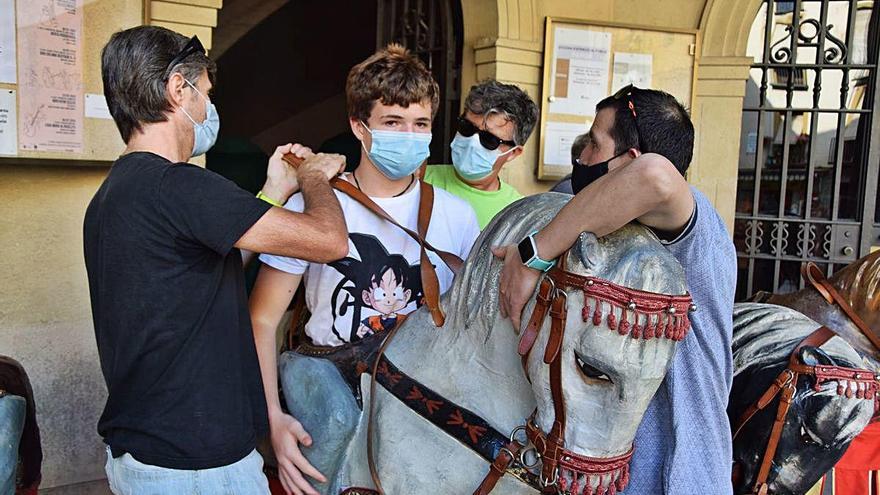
point(485, 203)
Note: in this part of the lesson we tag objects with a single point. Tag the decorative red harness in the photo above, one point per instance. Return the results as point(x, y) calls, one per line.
point(851, 382)
point(860, 383)
point(644, 315)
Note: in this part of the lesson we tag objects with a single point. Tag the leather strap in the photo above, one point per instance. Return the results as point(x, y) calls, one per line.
point(813, 274)
point(765, 399)
point(536, 321)
point(371, 460)
point(498, 468)
point(452, 261)
point(775, 435)
point(430, 282)
point(784, 386)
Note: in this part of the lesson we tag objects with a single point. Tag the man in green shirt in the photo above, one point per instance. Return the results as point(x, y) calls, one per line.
point(497, 121)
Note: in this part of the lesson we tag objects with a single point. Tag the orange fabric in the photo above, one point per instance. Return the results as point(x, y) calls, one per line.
point(864, 451)
point(853, 473)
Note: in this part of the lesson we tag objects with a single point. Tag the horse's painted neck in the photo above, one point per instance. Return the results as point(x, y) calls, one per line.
point(480, 369)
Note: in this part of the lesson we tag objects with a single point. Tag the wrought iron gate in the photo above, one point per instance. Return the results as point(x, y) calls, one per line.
point(432, 29)
point(808, 170)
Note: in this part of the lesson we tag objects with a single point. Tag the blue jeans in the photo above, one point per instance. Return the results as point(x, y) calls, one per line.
point(127, 476)
point(12, 412)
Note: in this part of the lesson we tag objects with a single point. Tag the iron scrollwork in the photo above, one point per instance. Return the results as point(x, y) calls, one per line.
point(809, 38)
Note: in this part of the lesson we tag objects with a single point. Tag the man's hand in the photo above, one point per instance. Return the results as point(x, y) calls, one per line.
point(327, 165)
point(517, 283)
point(287, 434)
point(281, 177)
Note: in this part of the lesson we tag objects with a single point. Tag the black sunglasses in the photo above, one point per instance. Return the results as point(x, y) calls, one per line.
point(192, 46)
point(627, 92)
point(489, 141)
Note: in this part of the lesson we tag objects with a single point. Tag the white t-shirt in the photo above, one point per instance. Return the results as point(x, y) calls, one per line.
point(380, 278)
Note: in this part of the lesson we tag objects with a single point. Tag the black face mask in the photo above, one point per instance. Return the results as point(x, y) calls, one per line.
point(584, 175)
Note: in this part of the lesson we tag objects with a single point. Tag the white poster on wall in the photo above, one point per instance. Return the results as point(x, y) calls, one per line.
point(580, 70)
point(96, 107)
point(50, 52)
point(632, 68)
point(7, 41)
point(558, 139)
point(8, 123)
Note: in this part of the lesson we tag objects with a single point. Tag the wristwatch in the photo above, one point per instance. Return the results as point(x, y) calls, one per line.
point(528, 252)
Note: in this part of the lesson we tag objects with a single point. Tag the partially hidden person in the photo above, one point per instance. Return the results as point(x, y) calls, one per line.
point(497, 121)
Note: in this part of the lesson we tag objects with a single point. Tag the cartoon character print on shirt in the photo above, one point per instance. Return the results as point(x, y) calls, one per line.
point(377, 288)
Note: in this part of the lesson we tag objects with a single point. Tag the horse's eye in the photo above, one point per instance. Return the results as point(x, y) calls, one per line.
point(591, 372)
point(808, 438)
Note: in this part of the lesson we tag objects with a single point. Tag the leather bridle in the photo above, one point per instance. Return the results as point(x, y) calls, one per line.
point(859, 383)
point(653, 316)
point(643, 315)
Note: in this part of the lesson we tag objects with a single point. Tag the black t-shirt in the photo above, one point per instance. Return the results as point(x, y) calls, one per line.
point(170, 313)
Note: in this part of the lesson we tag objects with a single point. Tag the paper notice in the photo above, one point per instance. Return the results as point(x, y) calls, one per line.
point(96, 107)
point(50, 75)
point(580, 70)
point(632, 68)
point(8, 138)
point(7, 41)
point(558, 139)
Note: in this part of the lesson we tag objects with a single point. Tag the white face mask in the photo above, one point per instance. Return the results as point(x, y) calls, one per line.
point(471, 159)
point(204, 133)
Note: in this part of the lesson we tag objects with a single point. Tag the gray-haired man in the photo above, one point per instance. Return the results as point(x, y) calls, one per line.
point(497, 122)
point(185, 402)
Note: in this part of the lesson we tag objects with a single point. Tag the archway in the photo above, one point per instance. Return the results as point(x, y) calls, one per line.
point(281, 75)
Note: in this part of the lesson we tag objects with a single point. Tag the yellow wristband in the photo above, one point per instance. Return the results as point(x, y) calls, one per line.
point(269, 200)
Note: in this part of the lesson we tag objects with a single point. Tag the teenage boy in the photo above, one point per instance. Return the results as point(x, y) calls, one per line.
point(392, 99)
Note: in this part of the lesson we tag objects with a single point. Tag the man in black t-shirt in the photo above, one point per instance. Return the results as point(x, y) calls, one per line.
point(162, 243)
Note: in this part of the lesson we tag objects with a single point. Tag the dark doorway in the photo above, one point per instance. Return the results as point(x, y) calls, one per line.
point(284, 80)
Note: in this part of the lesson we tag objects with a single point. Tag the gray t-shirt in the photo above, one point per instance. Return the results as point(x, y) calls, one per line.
point(683, 444)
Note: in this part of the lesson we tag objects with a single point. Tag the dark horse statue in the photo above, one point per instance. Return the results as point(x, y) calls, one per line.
point(827, 411)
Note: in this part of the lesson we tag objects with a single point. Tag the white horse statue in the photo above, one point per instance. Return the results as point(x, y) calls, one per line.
point(451, 400)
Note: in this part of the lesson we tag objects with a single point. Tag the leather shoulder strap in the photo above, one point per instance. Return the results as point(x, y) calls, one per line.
point(452, 261)
point(430, 282)
point(814, 275)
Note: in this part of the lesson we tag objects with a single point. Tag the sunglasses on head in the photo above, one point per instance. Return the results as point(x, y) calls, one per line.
point(488, 140)
point(191, 47)
point(627, 92)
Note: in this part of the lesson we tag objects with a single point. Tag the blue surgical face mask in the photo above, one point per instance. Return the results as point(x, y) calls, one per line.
point(398, 154)
point(205, 133)
point(471, 160)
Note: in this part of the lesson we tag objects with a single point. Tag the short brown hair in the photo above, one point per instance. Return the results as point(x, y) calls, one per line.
point(134, 70)
point(392, 76)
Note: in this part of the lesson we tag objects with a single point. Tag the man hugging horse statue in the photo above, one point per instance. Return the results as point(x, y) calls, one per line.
point(563, 400)
point(453, 401)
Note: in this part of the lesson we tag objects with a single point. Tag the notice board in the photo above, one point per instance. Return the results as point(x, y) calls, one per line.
point(52, 106)
point(585, 61)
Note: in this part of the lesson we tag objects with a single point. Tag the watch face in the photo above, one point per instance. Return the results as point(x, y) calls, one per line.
point(526, 250)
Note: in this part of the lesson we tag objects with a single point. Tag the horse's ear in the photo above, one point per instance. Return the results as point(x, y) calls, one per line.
point(586, 249)
point(812, 356)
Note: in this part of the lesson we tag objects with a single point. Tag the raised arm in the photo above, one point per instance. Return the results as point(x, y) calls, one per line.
point(317, 234)
point(648, 189)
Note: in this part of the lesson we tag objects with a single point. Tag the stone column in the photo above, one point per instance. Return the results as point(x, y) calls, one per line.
point(717, 114)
